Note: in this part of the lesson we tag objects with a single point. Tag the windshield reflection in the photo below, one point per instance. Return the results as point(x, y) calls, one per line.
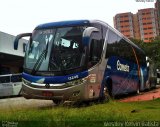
point(67, 49)
point(63, 49)
point(39, 43)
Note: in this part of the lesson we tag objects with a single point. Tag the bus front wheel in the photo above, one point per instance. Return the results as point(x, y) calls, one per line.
point(57, 102)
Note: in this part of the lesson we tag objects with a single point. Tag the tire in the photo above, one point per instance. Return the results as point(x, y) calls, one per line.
point(109, 87)
point(138, 88)
point(148, 85)
point(102, 100)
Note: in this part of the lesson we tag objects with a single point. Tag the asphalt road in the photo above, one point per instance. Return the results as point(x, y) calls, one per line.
point(20, 102)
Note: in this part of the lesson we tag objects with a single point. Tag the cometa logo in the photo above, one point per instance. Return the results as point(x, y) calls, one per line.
point(122, 67)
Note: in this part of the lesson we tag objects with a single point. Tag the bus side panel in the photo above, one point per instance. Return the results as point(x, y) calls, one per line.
point(96, 73)
point(123, 75)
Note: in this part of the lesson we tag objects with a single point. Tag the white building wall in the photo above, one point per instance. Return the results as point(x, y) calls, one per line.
point(7, 45)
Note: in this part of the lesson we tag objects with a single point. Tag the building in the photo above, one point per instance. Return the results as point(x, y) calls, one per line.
point(157, 6)
point(144, 25)
point(148, 24)
point(136, 29)
point(127, 24)
point(124, 23)
point(11, 61)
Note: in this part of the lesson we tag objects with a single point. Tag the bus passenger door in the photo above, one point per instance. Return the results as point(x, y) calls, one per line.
point(95, 49)
point(94, 61)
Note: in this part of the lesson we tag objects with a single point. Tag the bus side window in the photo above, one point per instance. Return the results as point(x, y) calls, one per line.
point(112, 44)
point(119, 47)
point(96, 48)
point(4, 79)
point(16, 78)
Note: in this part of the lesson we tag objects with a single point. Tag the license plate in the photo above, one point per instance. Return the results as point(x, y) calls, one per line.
point(47, 94)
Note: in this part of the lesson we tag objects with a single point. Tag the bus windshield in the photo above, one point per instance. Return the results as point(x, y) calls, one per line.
point(55, 49)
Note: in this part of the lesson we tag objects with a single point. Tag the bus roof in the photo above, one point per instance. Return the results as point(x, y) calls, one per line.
point(63, 23)
point(119, 33)
point(84, 22)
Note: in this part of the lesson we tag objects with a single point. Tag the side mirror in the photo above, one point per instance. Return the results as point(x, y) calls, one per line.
point(18, 37)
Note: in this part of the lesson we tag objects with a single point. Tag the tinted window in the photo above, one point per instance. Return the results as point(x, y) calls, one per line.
point(96, 48)
point(125, 51)
point(67, 49)
point(117, 46)
point(4, 79)
point(16, 78)
point(141, 57)
point(112, 46)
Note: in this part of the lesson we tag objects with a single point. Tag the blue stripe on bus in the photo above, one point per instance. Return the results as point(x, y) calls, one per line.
point(120, 78)
point(85, 41)
point(54, 79)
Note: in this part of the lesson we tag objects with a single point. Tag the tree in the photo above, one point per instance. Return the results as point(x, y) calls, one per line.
point(151, 49)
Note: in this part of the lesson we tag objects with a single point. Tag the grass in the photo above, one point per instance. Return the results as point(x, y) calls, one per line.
point(94, 115)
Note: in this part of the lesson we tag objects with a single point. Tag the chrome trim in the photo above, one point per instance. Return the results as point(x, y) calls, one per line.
point(42, 89)
point(38, 84)
point(54, 86)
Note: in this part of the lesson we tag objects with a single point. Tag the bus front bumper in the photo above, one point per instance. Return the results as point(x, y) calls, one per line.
point(72, 93)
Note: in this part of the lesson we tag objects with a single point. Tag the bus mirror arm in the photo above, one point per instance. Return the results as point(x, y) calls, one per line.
point(18, 37)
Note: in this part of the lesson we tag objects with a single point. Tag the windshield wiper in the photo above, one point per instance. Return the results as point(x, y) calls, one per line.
point(40, 60)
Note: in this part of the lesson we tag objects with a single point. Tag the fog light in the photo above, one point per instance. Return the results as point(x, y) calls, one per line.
point(76, 93)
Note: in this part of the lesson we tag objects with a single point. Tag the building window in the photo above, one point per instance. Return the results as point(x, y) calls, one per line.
point(148, 13)
point(126, 20)
point(150, 38)
point(149, 23)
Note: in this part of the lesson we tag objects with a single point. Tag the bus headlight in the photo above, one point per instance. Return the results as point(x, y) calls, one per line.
point(76, 82)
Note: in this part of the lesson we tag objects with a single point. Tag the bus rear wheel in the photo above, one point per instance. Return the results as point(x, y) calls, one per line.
point(108, 86)
point(138, 88)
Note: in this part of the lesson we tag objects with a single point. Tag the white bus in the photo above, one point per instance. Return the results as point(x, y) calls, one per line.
point(10, 85)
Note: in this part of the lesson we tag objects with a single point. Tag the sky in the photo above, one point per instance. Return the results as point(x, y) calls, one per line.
point(21, 16)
